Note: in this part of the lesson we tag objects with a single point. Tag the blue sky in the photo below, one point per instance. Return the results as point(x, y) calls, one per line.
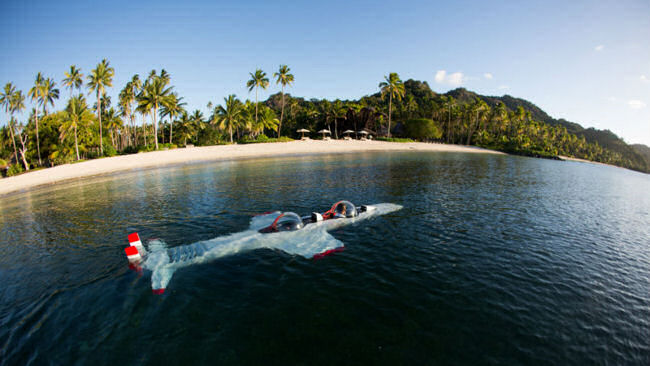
point(585, 61)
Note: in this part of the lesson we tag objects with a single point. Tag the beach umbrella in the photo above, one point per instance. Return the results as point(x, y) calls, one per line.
point(363, 132)
point(303, 131)
point(348, 131)
point(324, 132)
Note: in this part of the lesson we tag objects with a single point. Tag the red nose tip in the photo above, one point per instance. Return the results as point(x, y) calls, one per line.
point(158, 291)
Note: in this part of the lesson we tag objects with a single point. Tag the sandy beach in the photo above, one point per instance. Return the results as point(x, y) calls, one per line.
point(568, 158)
point(213, 153)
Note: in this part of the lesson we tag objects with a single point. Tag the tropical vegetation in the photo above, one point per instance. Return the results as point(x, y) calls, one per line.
point(150, 115)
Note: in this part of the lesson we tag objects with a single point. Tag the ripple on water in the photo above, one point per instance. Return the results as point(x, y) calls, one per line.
point(494, 259)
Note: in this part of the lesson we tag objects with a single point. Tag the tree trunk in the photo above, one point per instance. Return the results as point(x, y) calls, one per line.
point(230, 129)
point(144, 131)
point(171, 128)
point(13, 138)
point(22, 154)
point(99, 117)
point(155, 124)
point(336, 133)
point(471, 130)
point(124, 135)
point(256, 105)
point(281, 112)
point(449, 126)
point(76, 145)
point(453, 127)
point(23, 151)
point(390, 110)
point(134, 129)
point(38, 144)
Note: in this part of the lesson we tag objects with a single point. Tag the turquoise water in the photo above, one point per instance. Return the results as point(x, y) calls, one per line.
point(492, 260)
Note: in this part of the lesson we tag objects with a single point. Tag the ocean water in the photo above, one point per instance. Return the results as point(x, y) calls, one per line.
point(492, 260)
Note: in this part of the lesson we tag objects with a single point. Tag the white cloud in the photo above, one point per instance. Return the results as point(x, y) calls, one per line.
point(488, 76)
point(636, 104)
point(612, 99)
point(644, 79)
point(456, 78)
point(453, 79)
point(600, 47)
point(503, 87)
point(440, 76)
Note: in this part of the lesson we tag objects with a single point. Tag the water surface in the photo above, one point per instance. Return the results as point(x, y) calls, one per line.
point(493, 259)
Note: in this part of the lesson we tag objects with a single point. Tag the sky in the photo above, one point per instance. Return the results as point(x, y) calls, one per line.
point(584, 61)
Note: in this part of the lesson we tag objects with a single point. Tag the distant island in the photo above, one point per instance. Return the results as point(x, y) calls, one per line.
point(149, 115)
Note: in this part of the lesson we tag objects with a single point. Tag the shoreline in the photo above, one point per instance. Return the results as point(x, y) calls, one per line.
point(578, 160)
point(181, 156)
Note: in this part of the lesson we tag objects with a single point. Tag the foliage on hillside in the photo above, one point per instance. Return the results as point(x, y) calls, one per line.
point(642, 150)
point(150, 115)
point(422, 129)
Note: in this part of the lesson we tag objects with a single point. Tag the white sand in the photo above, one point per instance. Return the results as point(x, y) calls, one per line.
point(212, 153)
point(568, 158)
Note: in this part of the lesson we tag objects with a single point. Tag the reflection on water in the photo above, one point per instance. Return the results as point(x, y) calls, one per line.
point(494, 259)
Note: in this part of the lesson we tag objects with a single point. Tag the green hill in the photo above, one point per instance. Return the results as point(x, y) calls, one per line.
point(503, 123)
point(604, 138)
point(642, 150)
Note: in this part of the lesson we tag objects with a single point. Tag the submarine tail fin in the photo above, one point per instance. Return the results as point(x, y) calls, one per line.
point(132, 254)
point(134, 241)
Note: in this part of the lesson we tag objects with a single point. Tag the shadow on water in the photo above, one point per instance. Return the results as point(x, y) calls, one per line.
point(494, 259)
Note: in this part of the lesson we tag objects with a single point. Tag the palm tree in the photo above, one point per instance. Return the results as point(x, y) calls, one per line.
point(136, 83)
point(49, 93)
point(153, 95)
point(231, 115)
point(411, 105)
point(17, 102)
point(17, 105)
point(197, 118)
point(478, 107)
point(394, 87)
point(20, 129)
point(325, 110)
point(172, 109)
point(268, 121)
point(73, 79)
point(126, 103)
point(449, 103)
point(165, 77)
point(337, 112)
point(77, 115)
point(105, 103)
point(152, 74)
point(356, 109)
point(501, 118)
point(6, 97)
point(100, 78)
point(285, 78)
point(185, 127)
point(258, 80)
point(36, 94)
point(113, 123)
point(247, 117)
point(127, 97)
point(142, 109)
